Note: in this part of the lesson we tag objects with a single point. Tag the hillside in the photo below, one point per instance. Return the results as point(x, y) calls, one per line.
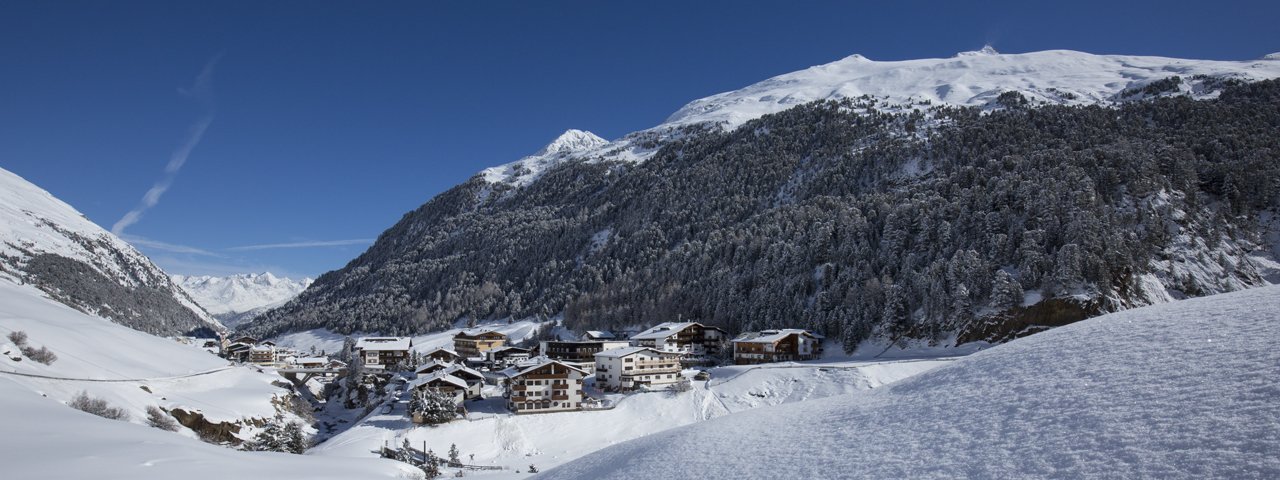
point(235, 299)
point(49, 244)
point(1168, 391)
point(943, 218)
point(132, 370)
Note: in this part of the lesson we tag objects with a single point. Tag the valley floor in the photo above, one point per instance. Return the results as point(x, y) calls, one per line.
point(514, 442)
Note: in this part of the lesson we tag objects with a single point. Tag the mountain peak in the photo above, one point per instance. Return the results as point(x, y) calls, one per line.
point(1272, 56)
point(572, 140)
point(986, 50)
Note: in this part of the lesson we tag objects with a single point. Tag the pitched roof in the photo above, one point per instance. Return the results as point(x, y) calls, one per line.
point(662, 330)
point(441, 377)
point(463, 369)
point(624, 352)
point(509, 347)
point(379, 344)
point(431, 366)
point(770, 336)
point(477, 332)
point(518, 371)
point(597, 334)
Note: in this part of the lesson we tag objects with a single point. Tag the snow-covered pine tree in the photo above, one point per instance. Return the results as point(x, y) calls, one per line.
point(295, 440)
point(453, 454)
point(270, 438)
point(432, 466)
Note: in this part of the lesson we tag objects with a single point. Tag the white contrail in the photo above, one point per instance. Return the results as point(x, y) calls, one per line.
point(320, 243)
point(202, 91)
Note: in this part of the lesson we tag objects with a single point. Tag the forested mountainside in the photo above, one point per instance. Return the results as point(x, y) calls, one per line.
point(49, 244)
point(851, 217)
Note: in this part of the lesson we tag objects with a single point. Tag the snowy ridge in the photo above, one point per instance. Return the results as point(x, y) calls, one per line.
point(1176, 390)
point(230, 298)
point(522, 172)
point(969, 79)
point(33, 222)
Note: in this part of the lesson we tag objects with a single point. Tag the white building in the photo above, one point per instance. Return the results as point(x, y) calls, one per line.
point(550, 386)
point(636, 367)
point(691, 339)
point(378, 353)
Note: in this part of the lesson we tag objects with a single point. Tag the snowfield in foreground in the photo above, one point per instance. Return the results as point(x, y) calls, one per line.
point(1179, 390)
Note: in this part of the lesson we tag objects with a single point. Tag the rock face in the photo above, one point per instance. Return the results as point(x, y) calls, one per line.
point(46, 242)
point(896, 214)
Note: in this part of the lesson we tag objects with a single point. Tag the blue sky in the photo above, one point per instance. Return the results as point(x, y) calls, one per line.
point(324, 122)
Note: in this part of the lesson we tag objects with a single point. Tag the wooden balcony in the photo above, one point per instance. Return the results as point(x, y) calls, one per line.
point(559, 397)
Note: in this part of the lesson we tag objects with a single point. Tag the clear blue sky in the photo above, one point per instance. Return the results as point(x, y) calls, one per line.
point(330, 120)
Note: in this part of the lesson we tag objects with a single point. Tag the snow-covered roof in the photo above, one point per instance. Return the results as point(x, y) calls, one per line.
point(455, 369)
point(261, 349)
point(378, 344)
point(476, 332)
point(770, 336)
point(624, 352)
point(310, 360)
point(442, 349)
point(509, 348)
point(443, 377)
point(521, 370)
point(431, 366)
point(662, 330)
point(597, 335)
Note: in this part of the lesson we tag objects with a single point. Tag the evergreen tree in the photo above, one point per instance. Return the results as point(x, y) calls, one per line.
point(453, 454)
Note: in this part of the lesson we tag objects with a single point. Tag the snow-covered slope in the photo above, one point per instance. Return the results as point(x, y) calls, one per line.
point(44, 439)
point(1178, 390)
point(236, 298)
point(967, 79)
point(113, 362)
point(48, 243)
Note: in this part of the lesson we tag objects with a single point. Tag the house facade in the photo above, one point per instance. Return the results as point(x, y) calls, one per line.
point(262, 355)
point(503, 357)
point(692, 340)
point(444, 383)
point(786, 345)
point(636, 367)
point(378, 353)
point(551, 386)
point(474, 342)
point(578, 351)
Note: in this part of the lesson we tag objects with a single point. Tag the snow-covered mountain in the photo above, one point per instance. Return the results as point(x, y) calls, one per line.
point(45, 242)
point(1178, 390)
point(976, 78)
point(979, 197)
point(236, 298)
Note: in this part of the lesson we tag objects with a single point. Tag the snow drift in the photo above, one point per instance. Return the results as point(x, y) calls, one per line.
point(1177, 390)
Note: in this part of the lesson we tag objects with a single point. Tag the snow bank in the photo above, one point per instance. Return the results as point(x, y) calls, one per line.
point(1177, 390)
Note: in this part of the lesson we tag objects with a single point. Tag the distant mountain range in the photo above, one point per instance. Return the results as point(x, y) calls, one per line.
point(49, 244)
point(236, 298)
point(979, 197)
